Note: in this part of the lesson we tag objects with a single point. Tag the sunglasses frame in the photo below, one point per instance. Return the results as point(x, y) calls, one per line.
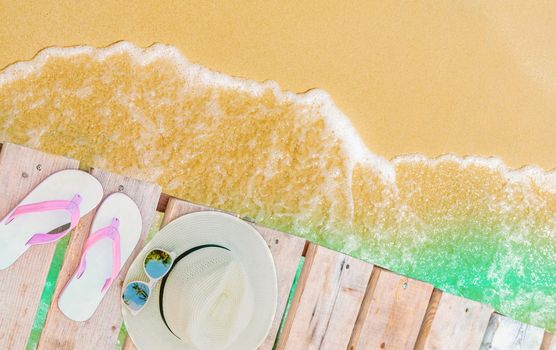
point(151, 282)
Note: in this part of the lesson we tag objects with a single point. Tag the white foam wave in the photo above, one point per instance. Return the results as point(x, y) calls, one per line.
point(337, 122)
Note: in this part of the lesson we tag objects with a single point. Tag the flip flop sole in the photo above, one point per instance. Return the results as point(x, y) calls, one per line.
point(81, 296)
point(62, 185)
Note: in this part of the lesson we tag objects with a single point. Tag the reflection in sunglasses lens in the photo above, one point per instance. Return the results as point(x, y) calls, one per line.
point(135, 295)
point(157, 263)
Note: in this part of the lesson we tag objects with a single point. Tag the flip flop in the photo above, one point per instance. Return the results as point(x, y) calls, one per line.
point(48, 213)
point(115, 232)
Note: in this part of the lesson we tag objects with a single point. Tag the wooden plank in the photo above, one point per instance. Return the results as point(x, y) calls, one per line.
point(163, 202)
point(427, 322)
point(396, 310)
point(452, 322)
point(503, 333)
point(21, 285)
point(286, 251)
point(365, 306)
point(128, 344)
point(101, 330)
point(309, 252)
point(328, 298)
point(548, 342)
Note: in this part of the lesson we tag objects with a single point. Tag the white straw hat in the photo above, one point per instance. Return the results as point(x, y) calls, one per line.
point(220, 293)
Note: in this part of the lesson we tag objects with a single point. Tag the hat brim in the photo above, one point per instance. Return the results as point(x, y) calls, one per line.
point(147, 329)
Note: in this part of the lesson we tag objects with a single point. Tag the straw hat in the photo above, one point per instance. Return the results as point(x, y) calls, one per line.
point(212, 298)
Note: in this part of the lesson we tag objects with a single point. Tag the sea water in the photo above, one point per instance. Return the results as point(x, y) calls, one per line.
point(468, 225)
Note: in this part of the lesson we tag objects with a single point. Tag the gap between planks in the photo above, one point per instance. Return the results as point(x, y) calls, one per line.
point(101, 330)
point(474, 335)
point(392, 312)
point(453, 322)
point(503, 333)
point(22, 284)
point(286, 250)
point(365, 305)
point(548, 341)
point(326, 301)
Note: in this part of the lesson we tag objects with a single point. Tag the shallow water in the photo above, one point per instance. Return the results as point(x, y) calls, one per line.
point(470, 226)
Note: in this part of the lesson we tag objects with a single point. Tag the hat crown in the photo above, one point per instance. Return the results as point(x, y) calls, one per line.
point(207, 286)
point(208, 300)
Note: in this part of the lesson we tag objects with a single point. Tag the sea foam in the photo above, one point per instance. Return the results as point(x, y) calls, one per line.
point(468, 225)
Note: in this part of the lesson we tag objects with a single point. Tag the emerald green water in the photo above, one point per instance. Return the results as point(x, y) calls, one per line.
point(54, 271)
point(468, 225)
point(48, 291)
point(519, 275)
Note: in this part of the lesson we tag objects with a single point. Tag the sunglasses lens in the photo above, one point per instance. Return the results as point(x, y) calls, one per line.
point(135, 295)
point(157, 263)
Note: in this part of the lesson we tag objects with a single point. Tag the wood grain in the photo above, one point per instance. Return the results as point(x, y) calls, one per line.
point(396, 310)
point(429, 317)
point(503, 333)
point(339, 302)
point(101, 330)
point(328, 298)
point(454, 323)
point(365, 306)
point(163, 202)
point(128, 344)
point(21, 284)
point(309, 252)
point(286, 251)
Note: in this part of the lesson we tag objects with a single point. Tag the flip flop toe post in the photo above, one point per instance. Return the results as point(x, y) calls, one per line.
point(48, 213)
point(115, 232)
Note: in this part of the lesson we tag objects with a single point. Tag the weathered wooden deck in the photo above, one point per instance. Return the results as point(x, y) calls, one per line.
point(339, 303)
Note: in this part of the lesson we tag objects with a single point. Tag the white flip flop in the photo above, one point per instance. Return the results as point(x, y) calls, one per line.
point(115, 232)
point(48, 213)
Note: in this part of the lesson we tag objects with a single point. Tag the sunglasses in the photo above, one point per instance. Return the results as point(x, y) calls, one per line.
point(157, 264)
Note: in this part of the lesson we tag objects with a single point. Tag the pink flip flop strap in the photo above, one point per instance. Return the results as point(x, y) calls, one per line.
point(72, 206)
point(112, 233)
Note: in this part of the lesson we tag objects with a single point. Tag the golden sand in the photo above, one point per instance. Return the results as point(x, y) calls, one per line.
point(468, 225)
